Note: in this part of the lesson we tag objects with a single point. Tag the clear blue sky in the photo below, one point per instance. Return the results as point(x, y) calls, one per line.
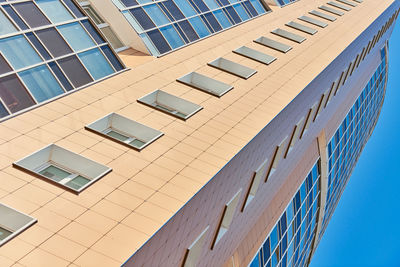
point(365, 228)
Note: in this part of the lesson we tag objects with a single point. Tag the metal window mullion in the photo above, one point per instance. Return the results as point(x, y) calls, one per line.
point(66, 77)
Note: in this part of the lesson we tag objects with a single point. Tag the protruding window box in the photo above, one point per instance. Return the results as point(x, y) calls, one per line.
point(331, 10)
point(340, 6)
point(124, 131)
point(288, 35)
point(205, 84)
point(254, 55)
point(170, 104)
point(232, 68)
point(314, 21)
point(301, 27)
point(322, 15)
point(63, 168)
point(273, 44)
point(12, 223)
point(347, 2)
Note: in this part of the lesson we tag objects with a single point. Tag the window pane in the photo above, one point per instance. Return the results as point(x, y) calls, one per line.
point(54, 173)
point(93, 32)
point(39, 47)
point(199, 27)
point(221, 17)
point(31, 14)
point(3, 111)
point(188, 30)
point(74, 8)
point(76, 36)
point(172, 36)
point(19, 52)
point(77, 182)
point(61, 77)
point(15, 17)
point(96, 63)
point(156, 14)
point(75, 71)
point(257, 5)
point(54, 42)
point(143, 19)
point(242, 13)
point(54, 10)
point(4, 67)
point(111, 57)
point(5, 25)
point(93, 14)
point(159, 41)
point(14, 94)
point(41, 83)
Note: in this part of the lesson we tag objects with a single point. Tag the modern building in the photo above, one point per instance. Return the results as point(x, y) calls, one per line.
point(182, 132)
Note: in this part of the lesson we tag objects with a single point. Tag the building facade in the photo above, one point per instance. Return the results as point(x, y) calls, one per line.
point(182, 132)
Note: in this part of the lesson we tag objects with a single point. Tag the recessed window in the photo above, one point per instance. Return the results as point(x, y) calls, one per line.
point(205, 84)
point(294, 137)
point(12, 223)
point(125, 131)
point(301, 27)
point(330, 94)
point(63, 167)
point(319, 107)
point(255, 183)
point(313, 21)
point(193, 253)
point(288, 35)
point(276, 158)
point(170, 104)
point(255, 55)
point(273, 44)
point(227, 217)
point(309, 119)
point(335, 4)
point(322, 15)
point(331, 10)
point(232, 68)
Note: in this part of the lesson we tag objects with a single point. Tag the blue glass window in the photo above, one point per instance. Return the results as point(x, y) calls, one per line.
point(6, 25)
point(159, 41)
point(173, 9)
point(54, 10)
point(274, 238)
point(111, 57)
point(19, 52)
point(41, 83)
point(257, 5)
point(186, 8)
point(156, 14)
point(211, 4)
point(3, 111)
point(242, 13)
point(39, 47)
point(199, 27)
point(15, 17)
point(250, 8)
point(96, 63)
point(188, 30)
point(214, 23)
point(256, 261)
point(172, 36)
point(61, 77)
point(221, 17)
point(93, 32)
point(76, 36)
